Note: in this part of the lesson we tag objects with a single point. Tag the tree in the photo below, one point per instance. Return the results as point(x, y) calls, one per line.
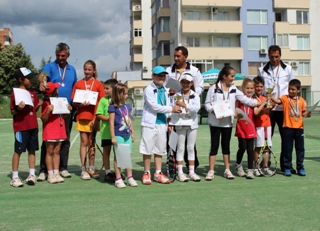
point(43, 62)
point(12, 58)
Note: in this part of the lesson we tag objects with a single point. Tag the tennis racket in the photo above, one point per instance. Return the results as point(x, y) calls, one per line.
point(171, 165)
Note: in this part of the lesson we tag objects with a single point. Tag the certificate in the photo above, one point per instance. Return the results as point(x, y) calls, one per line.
point(123, 155)
point(222, 109)
point(313, 108)
point(60, 105)
point(22, 95)
point(173, 84)
point(82, 96)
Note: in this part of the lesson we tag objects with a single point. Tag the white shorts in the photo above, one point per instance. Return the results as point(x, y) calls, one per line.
point(259, 141)
point(154, 140)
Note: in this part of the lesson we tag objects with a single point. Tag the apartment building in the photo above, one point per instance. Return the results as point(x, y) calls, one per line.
point(6, 37)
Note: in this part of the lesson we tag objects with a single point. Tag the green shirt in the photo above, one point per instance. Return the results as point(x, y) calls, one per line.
point(105, 125)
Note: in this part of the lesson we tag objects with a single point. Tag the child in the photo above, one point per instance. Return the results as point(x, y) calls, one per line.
point(121, 129)
point(86, 116)
point(223, 90)
point(103, 115)
point(294, 108)
point(25, 126)
point(54, 133)
point(154, 125)
point(245, 131)
point(190, 102)
point(263, 127)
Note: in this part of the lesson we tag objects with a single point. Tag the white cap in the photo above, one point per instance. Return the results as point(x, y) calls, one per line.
point(186, 76)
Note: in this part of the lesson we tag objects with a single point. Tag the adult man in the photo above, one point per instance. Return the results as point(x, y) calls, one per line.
point(175, 71)
point(59, 71)
point(277, 75)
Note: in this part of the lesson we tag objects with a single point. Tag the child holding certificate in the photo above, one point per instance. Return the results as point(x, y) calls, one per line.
point(220, 100)
point(189, 101)
point(86, 116)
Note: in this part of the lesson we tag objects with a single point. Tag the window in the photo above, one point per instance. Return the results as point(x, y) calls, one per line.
point(257, 17)
point(164, 3)
point(153, 9)
point(303, 43)
point(154, 53)
point(137, 32)
point(193, 15)
point(165, 25)
point(257, 43)
point(304, 68)
point(302, 17)
point(154, 31)
point(223, 42)
point(253, 68)
point(165, 49)
point(282, 40)
point(278, 17)
point(223, 15)
point(193, 41)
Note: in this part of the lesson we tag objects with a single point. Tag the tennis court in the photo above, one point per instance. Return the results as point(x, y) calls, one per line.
point(276, 203)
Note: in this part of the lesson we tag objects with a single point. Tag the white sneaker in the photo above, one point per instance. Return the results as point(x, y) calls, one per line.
point(228, 174)
point(119, 184)
point(257, 172)
point(59, 179)
point(267, 172)
point(240, 170)
point(42, 177)
point(182, 177)
point(65, 174)
point(52, 179)
point(85, 175)
point(195, 177)
point(250, 174)
point(132, 182)
point(31, 180)
point(210, 175)
point(16, 182)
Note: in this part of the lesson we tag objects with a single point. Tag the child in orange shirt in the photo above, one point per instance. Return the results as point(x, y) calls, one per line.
point(294, 108)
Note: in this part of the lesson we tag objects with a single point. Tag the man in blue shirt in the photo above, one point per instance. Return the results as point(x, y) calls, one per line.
point(59, 71)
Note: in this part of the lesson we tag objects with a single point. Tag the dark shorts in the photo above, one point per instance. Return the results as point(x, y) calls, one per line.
point(106, 143)
point(26, 140)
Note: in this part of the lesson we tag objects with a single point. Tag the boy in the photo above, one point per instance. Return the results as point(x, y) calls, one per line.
point(25, 126)
point(294, 108)
point(103, 115)
point(154, 125)
point(263, 127)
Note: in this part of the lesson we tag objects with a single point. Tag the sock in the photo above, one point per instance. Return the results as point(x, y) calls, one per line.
point(118, 177)
point(50, 172)
point(108, 171)
point(55, 170)
point(83, 168)
point(180, 168)
point(32, 171)
point(129, 176)
point(147, 172)
point(15, 174)
point(191, 169)
point(226, 170)
point(91, 168)
point(158, 171)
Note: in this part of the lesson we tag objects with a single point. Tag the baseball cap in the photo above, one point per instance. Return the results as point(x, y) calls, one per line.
point(24, 72)
point(157, 70)
point(51, 87)
point(186, 76)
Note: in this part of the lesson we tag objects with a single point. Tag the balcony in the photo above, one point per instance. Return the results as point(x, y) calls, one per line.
point(163, 12)
point(136, 41)
point(154, 19)
point(286, 28)
point(209, 27)
point(291, 4)
point(164, 36)
point(214, 3)
point(216, 53)
point(295, 55)
point(164, 60)
point(137, 58)
point(137, 24)
point(154, 42)
point(306, 81)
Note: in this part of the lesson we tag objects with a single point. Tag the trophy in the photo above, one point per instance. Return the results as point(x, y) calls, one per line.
point(44, 74)
point(178, 97)
point(268, 92)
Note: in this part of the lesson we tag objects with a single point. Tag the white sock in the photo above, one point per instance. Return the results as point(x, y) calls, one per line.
point(50, 172)
point(158, 171)
point(55, 170)
point(32, 171)
point(191, 169)
point(108, 171)
point(15, 174)
point(180, 171)
point(91, 167)
point(226, 170)
point(147, 172)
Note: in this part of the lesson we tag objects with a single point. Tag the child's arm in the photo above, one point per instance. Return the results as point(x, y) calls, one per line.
point(39, 104)
point(157, 108)
point(18, 108)
point(46, 115)
point(103, 117)
point(261, 109)
point(69, 108)
point(132, 133)
point(209, 101)
point(113, 136)
point(277, 101)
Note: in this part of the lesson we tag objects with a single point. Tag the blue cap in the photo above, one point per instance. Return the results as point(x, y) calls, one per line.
point(157, 70)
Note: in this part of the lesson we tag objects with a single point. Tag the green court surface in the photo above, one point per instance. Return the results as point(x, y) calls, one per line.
point(265, 203)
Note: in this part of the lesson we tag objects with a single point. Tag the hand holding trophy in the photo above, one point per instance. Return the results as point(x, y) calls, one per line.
point(44, 74)
point(268, 93)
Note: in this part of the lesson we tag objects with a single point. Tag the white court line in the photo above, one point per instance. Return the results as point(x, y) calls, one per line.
point(74, 140)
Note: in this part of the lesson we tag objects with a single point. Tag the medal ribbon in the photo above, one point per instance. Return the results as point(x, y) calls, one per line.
point(64, 73)
point(85, 85)
point(294, 109)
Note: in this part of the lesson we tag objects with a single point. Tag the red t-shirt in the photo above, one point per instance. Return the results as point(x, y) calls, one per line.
point(55, 127)
point(88, 112)
point(262, 120)
point(245, 129)
point(26, 119)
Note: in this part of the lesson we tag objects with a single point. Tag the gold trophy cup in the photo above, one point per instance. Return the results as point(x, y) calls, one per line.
point(268, 92)
point(44, 74)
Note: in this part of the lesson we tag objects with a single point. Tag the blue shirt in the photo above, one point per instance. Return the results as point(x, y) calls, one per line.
point(161, 117)
point(54, 77)
point(122, 119)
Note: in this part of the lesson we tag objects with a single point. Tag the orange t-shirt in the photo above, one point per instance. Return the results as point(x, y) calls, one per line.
point(292, 112)
point(262, 120)
point(88, 112)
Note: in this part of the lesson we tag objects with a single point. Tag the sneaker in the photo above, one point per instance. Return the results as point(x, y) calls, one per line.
point(59, 179)
point(250, 174)
point(257, 172)
point(267, 171)
point(85, 175)
point(110, 177)
point(228, 174)
point(16, 182)
point(195, 177)
point(161, 178)
point(31, 180)
point(132, 182)
point(146, 178)
point(182, 177)
point(52, 179)
point(42, 177)
point(287, 172)
point(119, 184)
point(301, 172)
point(210, 175)
point(240, 170)
point(65, 174)
point(93, 174)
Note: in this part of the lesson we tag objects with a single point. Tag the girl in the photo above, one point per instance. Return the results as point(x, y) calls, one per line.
point(54, 132)
point(189, 101)
point(121, 129)
point(86, 116)
point(223, 90)
point(245, 131)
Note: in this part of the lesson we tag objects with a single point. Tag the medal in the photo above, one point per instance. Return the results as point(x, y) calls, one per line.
point(296, 119)
point(246, 122)
point(31, 113)
point(62, 85)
